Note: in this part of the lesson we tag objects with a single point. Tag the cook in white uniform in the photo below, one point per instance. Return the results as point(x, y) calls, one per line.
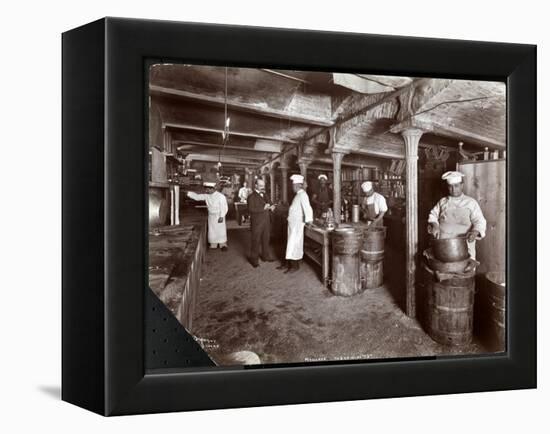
point(217, 210)
point(300, 213)
point(374, 205)
point(244, 191)
point(457, 214)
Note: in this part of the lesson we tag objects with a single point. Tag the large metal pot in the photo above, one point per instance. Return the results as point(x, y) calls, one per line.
point(158, 210)
point(450, 249)
point(445, 267)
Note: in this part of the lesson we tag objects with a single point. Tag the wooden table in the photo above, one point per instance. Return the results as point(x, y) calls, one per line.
point(317, 248)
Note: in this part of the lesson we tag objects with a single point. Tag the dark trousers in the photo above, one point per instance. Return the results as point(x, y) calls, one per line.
point(260, 231)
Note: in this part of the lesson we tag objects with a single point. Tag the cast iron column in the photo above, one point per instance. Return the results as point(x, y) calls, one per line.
point(337, 157)
point(284, 184)
point(411, 136)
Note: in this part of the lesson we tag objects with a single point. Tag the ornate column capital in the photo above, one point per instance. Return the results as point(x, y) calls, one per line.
point(304, 164)
point(411, 137)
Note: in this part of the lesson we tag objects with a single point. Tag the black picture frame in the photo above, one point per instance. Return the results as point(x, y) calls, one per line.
point(105, 228)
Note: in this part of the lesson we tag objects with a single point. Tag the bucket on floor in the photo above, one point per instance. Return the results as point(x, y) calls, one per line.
point(496, 293)
point(451, 308)
point(346, 242)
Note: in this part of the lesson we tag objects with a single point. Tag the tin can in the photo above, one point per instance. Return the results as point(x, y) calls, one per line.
point(355, 213)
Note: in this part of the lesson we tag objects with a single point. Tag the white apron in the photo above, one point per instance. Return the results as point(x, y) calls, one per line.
point(300, 211)
point(217, 207)
point(455, 221)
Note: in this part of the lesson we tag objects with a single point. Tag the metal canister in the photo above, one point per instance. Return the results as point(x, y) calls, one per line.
point(355, 213)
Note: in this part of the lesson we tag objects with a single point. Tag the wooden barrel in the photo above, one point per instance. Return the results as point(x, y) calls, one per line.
point(496, 293)
point(371, 272)
point(373, 243)
point(346, 242)
point(451, 309)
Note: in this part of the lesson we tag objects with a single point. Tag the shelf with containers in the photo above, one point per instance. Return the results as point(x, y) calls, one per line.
point(392, 186)
point(351, 187)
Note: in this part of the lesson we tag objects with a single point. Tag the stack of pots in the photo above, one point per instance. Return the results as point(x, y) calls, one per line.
point(372, 257)
point(450, 292)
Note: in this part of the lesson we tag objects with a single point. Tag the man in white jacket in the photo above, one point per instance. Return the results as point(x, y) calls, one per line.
point(300, 213)
point(217, 210)
point(457, 215)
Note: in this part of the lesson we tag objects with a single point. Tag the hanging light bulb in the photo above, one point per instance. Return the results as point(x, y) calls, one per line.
point(225, 132)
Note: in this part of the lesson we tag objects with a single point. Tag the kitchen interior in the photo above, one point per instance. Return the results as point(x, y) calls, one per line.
point(380, 296)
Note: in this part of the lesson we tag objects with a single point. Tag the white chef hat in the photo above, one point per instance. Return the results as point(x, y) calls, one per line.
point(452, 177)
point(366, 186)
point(209, 184)
point(323, 176)
point(297, 179)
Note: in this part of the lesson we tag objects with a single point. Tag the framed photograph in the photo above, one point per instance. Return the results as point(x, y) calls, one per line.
point(258, 216)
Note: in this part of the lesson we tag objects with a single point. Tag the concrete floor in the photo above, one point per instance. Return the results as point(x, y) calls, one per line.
point(294, 318)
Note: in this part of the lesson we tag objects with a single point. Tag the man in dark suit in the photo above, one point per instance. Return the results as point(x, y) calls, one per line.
point(259, 208)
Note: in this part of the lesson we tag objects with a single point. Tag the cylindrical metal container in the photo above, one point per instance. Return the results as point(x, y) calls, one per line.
point(347, 240)
point(371, 272)
point(450, 249)
point(445, 267)
point(355, 213)
point(373, 243)
point(496, 292)
point(451, 309)
point(346, 243)
point(158, 210)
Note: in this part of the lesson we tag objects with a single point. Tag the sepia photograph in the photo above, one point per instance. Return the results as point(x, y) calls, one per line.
point(311, 216)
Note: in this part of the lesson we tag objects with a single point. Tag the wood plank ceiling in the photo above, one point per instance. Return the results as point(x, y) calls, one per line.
point(274, 111)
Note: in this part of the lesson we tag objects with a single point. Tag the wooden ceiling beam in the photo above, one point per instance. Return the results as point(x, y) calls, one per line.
point(224, 160)
point(400, 105)
point(463, 135)
point(429, 126)
point(328, 160)
point(183, 143)
point(240, 106)
point(179, 126)
point(216, 153)
point(363, 110)
point(373, 152)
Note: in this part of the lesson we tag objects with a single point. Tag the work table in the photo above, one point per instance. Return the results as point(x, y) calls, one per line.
point(317, 248)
